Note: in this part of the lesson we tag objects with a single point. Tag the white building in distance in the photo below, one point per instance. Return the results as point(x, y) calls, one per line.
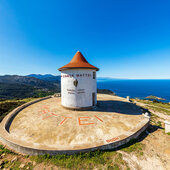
point(78, 83)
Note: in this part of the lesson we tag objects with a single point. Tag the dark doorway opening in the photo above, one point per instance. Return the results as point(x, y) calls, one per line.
point(93, 99)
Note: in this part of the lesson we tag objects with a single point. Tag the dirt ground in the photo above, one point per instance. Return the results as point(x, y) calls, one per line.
point(156, 153)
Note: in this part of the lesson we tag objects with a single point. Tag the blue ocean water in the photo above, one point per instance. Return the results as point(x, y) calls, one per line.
point(137, 88)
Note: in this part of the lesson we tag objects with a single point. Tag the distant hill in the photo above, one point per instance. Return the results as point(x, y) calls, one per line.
point(10, 91)
point(46, 77)
point(40, 76)
point(14, 86)
point(28, 81)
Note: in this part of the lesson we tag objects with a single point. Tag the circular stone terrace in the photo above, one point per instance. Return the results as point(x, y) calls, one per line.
point(44, 126)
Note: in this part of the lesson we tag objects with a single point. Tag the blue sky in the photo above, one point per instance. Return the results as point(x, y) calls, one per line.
point(125, 39)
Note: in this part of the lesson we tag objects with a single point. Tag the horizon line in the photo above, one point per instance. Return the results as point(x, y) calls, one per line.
point(97, 77)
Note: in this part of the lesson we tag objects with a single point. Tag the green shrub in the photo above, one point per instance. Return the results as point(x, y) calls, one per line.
point(4, 150)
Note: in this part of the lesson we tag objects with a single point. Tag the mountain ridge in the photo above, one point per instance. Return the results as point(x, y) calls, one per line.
point(46, 77)
point(14, 86)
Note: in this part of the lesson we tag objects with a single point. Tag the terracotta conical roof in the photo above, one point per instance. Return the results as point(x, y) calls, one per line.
point(78, 62)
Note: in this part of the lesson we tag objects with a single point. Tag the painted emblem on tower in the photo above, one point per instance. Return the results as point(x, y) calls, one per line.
point(75, 82)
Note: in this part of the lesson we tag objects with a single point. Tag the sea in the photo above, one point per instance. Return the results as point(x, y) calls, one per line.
point(137, 88)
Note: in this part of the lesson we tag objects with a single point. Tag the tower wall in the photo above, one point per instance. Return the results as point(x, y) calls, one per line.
point(78, 88)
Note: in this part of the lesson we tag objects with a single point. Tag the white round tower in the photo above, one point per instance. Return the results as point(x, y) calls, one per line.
point(78, 83)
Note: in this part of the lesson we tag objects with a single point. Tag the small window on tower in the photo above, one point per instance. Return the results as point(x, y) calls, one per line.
point(94, 75)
